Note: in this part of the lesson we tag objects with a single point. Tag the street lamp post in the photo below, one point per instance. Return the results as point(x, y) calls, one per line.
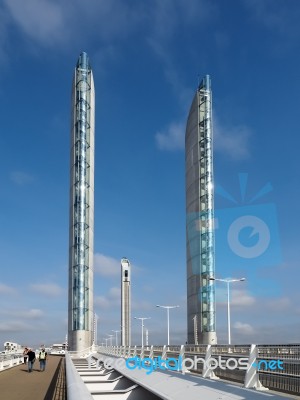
point(195, 329)
point(116, 336)
point(142, 319)
point(168, 318)
point(228, 281)
point(110, 337)
point(147, 337)
point(95, 328)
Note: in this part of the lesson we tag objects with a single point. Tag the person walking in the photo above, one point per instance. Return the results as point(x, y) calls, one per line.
point(31, 359)
point(25, 355)
point(42, 358)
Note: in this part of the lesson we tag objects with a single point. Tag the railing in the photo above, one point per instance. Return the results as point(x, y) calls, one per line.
point(10, 361)
point(265, 367)
point(76, 388)
point(287, 379)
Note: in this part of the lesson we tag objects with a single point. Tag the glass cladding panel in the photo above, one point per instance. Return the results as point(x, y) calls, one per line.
point(88, 135)
point(206, 205)
point(87, 175)
point(81, 174)
point(202, 148)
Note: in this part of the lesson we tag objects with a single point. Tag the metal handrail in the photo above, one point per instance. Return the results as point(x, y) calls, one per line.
point(76, 388)
point(285, 379)
point(10, 360)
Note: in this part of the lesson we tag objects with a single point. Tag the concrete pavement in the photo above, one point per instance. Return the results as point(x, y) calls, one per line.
point(17, 384)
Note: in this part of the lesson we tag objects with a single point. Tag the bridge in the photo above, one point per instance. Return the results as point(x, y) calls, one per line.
point(17, 384)
point(256, 372)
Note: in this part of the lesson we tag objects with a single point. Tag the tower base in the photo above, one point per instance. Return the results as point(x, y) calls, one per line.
point(208, 338)
point(79, 340)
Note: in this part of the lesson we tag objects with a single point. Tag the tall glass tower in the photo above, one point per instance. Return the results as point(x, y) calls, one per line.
point(200, 218)
point(81, 232)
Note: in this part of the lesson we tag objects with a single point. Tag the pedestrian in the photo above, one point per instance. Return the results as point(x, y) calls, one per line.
point(42, 358)
point(25, 355)
point(31, 359)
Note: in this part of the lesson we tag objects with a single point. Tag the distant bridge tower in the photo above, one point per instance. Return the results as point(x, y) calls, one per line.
point(125, 302)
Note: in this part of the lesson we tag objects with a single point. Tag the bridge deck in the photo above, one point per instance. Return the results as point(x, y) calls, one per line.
point(18, 384)
point(166, 384)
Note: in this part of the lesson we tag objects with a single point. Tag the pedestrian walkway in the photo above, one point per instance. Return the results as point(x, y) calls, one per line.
point(17, 384)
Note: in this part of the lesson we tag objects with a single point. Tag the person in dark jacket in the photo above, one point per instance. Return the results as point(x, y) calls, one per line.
point(31, 359)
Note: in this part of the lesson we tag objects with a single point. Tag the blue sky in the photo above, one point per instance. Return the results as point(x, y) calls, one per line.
point(146, 58)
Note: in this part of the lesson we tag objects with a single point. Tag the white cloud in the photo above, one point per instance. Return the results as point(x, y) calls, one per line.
point(14, 326)
point(101, 302)
point(280, 304)
point(167, 17)
point(238, 297)
point(34, 313)
point(41, 20)
point(66, 23)
point(114, 293)
point(241, 298)
point(142, 305)
point(172, 138)
point(48, 289)
point(63, 23)
point(232, 141)
point(276, 16)
point(110, 267)
point(112, 299)
point(106, 266)
point(21, 178)
point(4, 289)
point(244, 328)
point(182, 93)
